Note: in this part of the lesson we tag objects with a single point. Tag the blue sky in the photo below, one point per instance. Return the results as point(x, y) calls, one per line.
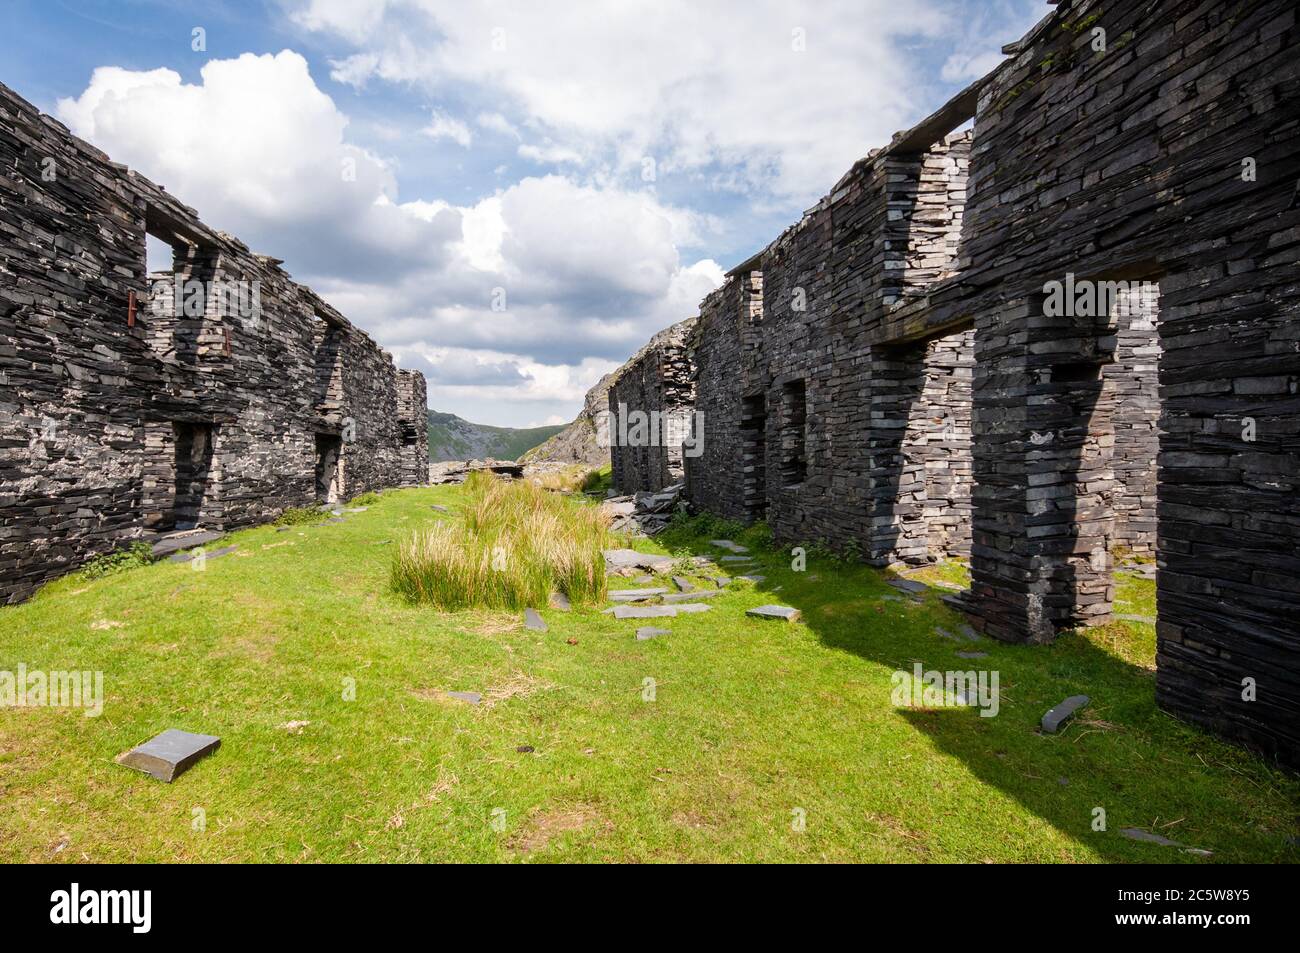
point(510, 197)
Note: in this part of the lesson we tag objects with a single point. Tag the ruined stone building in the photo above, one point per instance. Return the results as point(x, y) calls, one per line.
point(1056, 321)
point(212, 395)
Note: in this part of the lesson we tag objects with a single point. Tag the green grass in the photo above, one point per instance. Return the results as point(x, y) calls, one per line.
point(749, 722)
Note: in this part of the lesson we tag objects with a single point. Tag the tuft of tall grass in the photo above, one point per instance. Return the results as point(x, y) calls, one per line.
point(514, 545)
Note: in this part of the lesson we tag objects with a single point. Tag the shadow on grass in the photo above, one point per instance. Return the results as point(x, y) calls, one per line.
point(1120, 754)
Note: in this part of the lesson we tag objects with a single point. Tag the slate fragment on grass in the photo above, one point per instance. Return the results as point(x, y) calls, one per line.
point(649, 632)
point(533, 620)
point(472, 697)
point(1136, 833)
point(170, 754)
point(1062, 713)
point(783, 613)
point(560, 601)
point(683, 585)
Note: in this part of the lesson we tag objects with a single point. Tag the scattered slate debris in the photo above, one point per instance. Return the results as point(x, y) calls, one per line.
point(650, 632)
point(533, 620)
point(969, 634)
point(784, 613)
point(440, 509)
point(1057, 716)
point(908, 585)
point(644, 612)
point(722, 581)
point(728, 545)
point(683, 584)
point(690, 596)
point(170, 754)
point(472, 697)
point(560, 601)
point(972, 654)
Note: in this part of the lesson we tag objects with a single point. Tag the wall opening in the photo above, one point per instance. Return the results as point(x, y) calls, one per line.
point(329, 468)
point(327, 341)
point(192, 468)
point(1089, 449)
point(794, 432)
point(921, 464)
point(753, 450)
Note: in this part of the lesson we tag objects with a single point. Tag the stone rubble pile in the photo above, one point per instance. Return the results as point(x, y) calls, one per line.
point(455, 471)
point(643, 512)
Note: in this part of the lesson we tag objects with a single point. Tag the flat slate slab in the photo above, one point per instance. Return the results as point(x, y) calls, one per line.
point(1057, 716)
point(683, 585)
point(170, 754)
point(690, 607)
point(644, 612)
point(754, 579)
point(728, 545)
point(440, 509)
point(784, 613)
point(631, 559)
point(691, 596)
point(972, 654)
point(174, 544)
point(722, 581)
point(633, 595)
point(560, 601)
point(649, 632)
point(907, 585)
point(737, 559)
point(472, 697)
point(215, 554)
point(532, 620)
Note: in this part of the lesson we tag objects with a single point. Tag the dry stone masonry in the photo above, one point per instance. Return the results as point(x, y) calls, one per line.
point(212, 395)
point(651, 399)
point(1056, 322)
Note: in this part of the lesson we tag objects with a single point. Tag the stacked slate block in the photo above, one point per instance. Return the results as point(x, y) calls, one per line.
point(105, 391)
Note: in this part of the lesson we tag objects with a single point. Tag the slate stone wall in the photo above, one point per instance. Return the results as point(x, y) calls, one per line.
point(98, 394)
point(659, 381)
point(1172, 157)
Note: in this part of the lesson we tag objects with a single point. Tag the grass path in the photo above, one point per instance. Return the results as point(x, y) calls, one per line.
point(751, 723)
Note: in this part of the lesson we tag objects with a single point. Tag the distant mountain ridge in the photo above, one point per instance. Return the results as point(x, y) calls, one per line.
point(454, 438)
